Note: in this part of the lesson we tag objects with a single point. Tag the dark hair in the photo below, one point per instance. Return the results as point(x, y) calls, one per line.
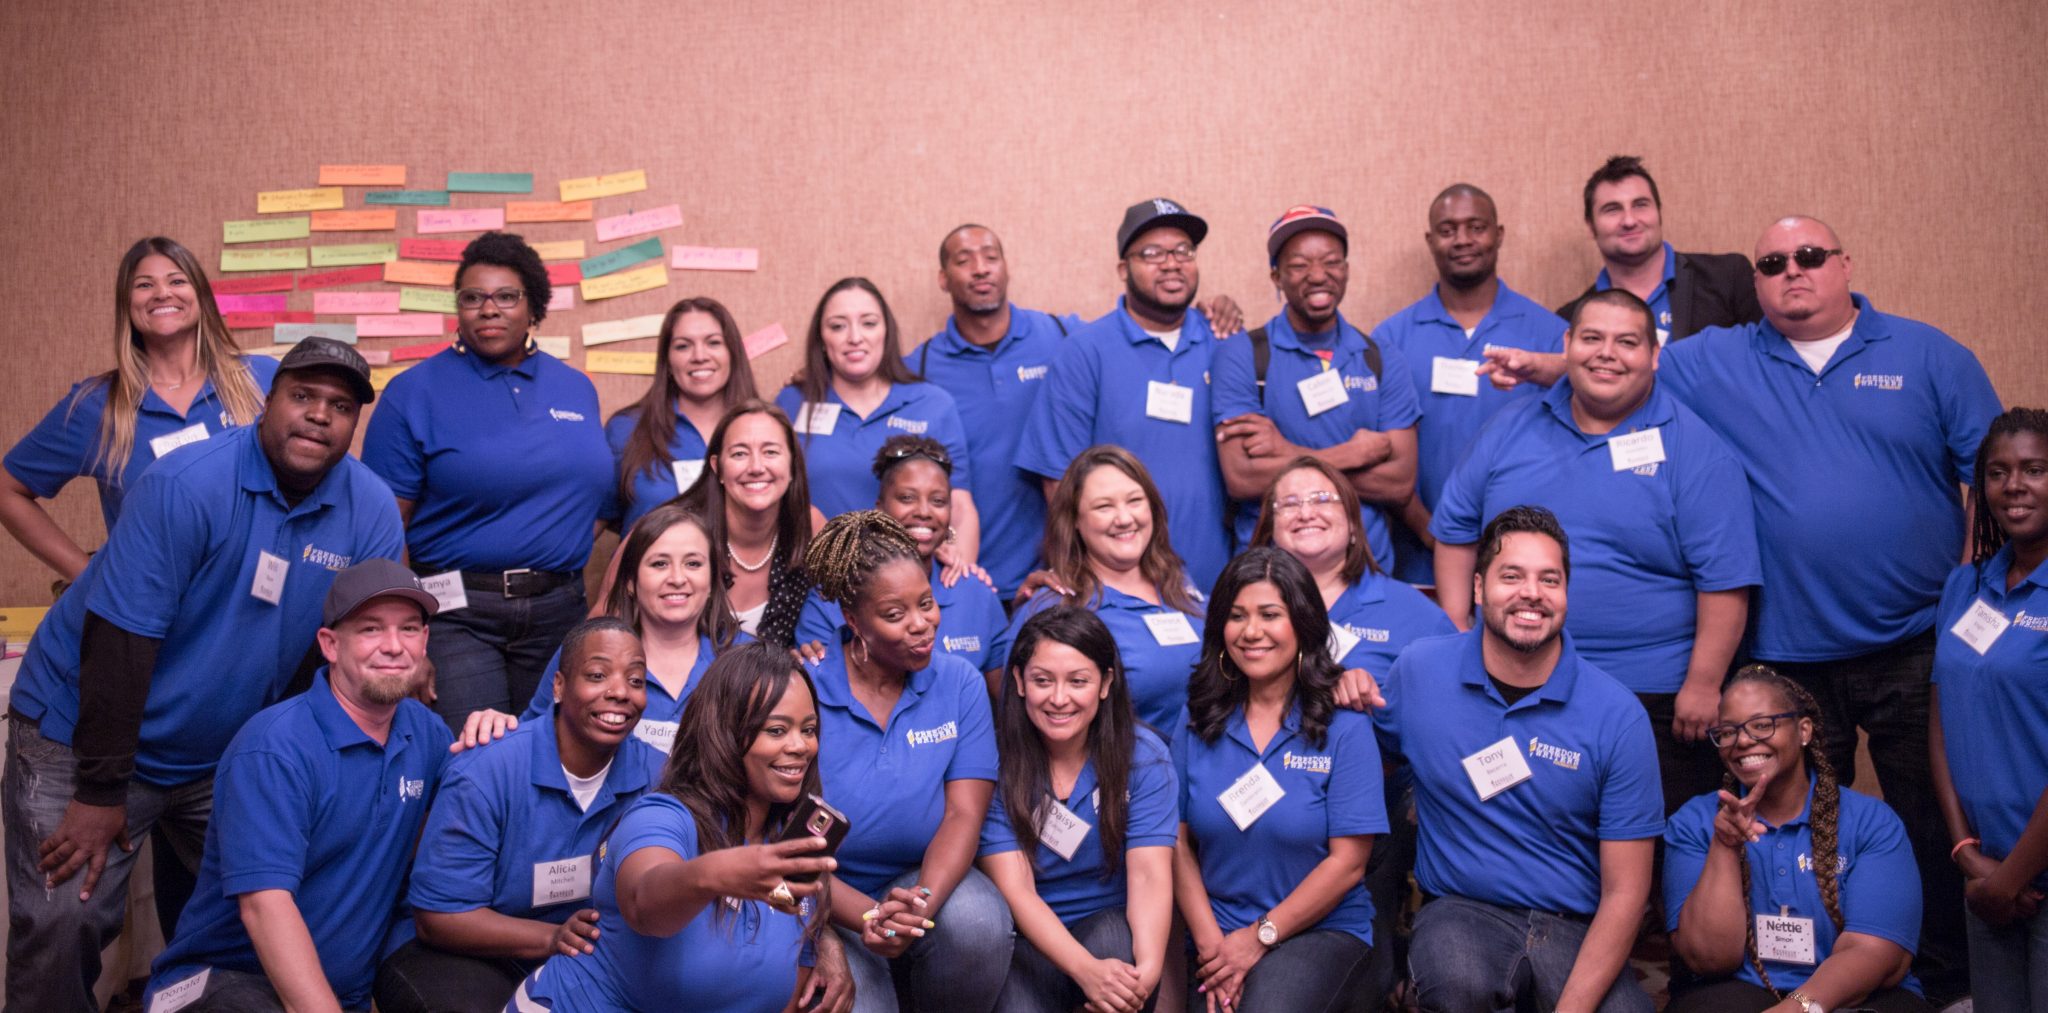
point(904, 448)
point(706, 498)
point(851, 548)
point(1620, 297)
point(1357, 555)
point(1217, 689)
point(957, 229)
point(1023, 777)
point(717, 620)
point(1067, 556)
point(655, 422)
point(1614, 170)
point(507, 250)
point(1522, 519)
point(706, 769)
point(1990, 537)
point(816, 377)
point(583, 631)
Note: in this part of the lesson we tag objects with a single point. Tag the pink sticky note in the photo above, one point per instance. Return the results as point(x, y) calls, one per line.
point(564, 298)
point(349, 303)
point(249, 303)
point(461, 220)
point(422, 351)
point(398, 325)
point(375, 356)
point(715, 258)
point(765, 340)
point(639, 223)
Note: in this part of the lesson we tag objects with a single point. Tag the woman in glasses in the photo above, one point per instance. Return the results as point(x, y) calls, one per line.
point(1800, 895)
point(700, 372)
point(496, 452)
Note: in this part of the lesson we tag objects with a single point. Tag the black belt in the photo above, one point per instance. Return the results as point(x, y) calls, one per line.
point(520, 583)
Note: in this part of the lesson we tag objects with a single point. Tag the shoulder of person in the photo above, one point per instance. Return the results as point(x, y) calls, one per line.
point(1147, 747)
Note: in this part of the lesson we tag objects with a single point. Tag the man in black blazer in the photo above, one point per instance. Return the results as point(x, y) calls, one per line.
point(1689, 292)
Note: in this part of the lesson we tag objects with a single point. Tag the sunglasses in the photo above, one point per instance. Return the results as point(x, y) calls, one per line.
point(1771, 265)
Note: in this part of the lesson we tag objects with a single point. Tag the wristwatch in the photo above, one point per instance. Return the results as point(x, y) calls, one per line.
point(1806, 1004)
point(1269, 934)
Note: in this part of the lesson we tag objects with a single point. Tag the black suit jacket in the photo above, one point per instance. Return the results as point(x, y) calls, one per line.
point(1708, 290)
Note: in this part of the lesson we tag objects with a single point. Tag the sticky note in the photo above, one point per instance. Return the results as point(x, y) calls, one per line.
point(263, 230)
point(346, 276)
point(715, 258)
point(380, 375)
point(548, 211)
point(362, 175)
point(565, 274)
point(765, 340)
point(557, 347)
point(608, 185)
point(462, 220)
point(292, 334)
point(639, 223)
point(18, 624)
point(611, 286)
point(622, 258)
point(254, 321)
point(375, 356)
point(410, 353)
point(399, 325)
point(490, 182)
point(253, 283)
point(249, 303)
point(323, 198)
point(274, 351)
point(604, 332)
point(353, 303)
point(381, 220)
point(417, 198)
point(289, 258)
point(431, 249)
point(628, 363)
point(567, 249)
point(348, 254)
point(426, 300)
point(563, 298)
point(413, 272)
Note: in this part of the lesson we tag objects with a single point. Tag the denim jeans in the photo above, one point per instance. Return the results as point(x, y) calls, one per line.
point(1737, 996)
point(54, 939)
point(2009, 966)
point(955, 968)
point(420, 979)
point(1315, 972)
point(1037, 985)
point(1468, 956)
point(491, 653)
point(231, 991)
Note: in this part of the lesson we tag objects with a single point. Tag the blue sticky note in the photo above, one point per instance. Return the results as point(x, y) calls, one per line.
point(420, 198)
point(490, 182)
point(622, 258)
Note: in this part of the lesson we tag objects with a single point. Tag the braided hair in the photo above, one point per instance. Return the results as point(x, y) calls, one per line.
point(852, 546)
point(1989, 536)
point(1824, 819)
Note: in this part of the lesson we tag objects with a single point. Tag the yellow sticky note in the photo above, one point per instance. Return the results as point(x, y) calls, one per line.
point(426, 300)
point(557, 347)
point(261, 230)
point(373, 220)
point(16, 624)
point(350, 254)
point(380, 376)
point(319, 198)
point(567, 249)
point(611, 286)
point(609, 185)
point(628, 363)
point(604, 332)
point(362, 175)
point(289, 258)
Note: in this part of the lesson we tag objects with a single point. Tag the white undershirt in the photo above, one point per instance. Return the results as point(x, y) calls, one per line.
point(585, 788)
point(1819, 351)
point(750, 619)
point(1469, 331)
point(1171, 339)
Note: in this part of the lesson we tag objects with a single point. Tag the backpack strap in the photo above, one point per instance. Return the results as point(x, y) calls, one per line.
point(1262, 357)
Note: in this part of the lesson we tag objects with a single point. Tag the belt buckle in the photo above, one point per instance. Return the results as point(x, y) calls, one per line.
point(505, 580)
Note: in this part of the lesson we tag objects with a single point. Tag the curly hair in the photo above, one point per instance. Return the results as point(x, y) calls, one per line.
point(851, 548)
point(508, 250)
point(1218, 689)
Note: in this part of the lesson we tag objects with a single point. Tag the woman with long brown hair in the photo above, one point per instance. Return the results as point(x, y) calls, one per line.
point(700, 372)
point(754, 497)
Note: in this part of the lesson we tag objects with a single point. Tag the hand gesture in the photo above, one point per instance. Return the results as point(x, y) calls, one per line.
point(576, 935)
point(1736, 825)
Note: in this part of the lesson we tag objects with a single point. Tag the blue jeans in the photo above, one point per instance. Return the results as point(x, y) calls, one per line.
point(231, 991)
point(2009, 966)
point(1315, 972)
point(1467, 956)
point(54, 939)
point(491, 653)
point(1037, 985)
point(953, 969)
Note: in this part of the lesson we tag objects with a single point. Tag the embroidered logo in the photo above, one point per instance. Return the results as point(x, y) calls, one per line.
point(321, 557)
point(410, 788)
point(1162, 206)
point(562, 415)
point(912, 426)
point(1367, 633)
point(1645, 470)
point(1880, 381)
point(1566, 758)
point(2038, 624)
point(1029, 373)
point(1312, 764)
point(1805, 863)
point(955, 645)
point(1365, 383)
point(933, 736)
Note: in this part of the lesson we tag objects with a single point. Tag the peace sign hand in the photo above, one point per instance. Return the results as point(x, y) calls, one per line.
point(1736, 825)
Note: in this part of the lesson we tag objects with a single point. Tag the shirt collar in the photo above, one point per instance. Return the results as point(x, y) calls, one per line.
point(952, 342)
point(1655, 411)
point(1556, 688)
point(1870, 326)
point(1194, 327)
point(1998, 569)
point(1280, 331)
point(546, 769)
point(527, 367)
point(834, 688)
point(1237, 729)
point(1433, 308)
point(154, 403)
point(1805, 809)
point(1369, 588)
point(1603, 282)
point(338, 729)
point(257, 476)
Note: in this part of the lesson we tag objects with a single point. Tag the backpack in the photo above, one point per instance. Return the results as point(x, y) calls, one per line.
point(1262, 356)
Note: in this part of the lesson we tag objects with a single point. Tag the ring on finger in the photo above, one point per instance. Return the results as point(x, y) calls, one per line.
point(781, 895)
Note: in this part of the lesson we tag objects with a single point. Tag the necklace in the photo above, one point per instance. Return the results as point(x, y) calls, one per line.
point(167, 385)
point(755, 568)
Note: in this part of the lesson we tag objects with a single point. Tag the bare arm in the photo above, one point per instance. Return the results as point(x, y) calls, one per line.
point(285, 948)
point(1859, 965)
point(1712, 934)
point(1624, 887)
point(31, 525)
point(966, 530)
point(1252, 454)
point(1454, 567)
point(951, 852)
point(1720, 617)
point(1324, 887)
point(487, 933)
point(1192, 895)
point(405, 509)
point(1391, 480)
point(1148, 907)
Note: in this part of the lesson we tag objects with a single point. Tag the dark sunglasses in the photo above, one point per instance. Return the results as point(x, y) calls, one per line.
point(1771, 265)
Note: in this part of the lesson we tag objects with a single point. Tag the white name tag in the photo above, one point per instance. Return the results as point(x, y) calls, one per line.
point(1062, 831)
point(562, 880)
point(446, 589)
point(1169, 402)
point(269, 583)
point(171, 441)
point(1453, 376)
point(1981, 626)
point(1341, 642)
point(1663, 337)
point(817, 418)
point(180, 995)
point(659, 734)
point(1322, 392)
point(1785, 938)
point(1171, 629)
point(1497, 768)
point(1637, 449)
point(1251, 796)
point(686, 474)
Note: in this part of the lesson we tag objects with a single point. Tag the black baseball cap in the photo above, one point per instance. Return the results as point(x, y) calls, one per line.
point(329, 354)
point(375, 578)
point(1157, 213)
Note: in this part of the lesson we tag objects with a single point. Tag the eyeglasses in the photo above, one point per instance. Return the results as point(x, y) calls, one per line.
point(1771, 265)
point(1296, 504)
point(1156, 255)
point(1759, 728)
point(473, 298)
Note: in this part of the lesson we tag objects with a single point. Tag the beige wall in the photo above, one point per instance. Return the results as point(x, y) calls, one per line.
point(848, 138)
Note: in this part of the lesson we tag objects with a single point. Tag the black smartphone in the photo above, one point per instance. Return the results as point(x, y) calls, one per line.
point(815, 817)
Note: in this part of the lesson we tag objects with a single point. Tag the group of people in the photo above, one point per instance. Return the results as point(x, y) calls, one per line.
point(1140, 661)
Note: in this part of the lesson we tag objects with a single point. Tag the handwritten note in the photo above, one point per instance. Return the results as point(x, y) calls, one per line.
point(639, 223)
point(253, 283)
point(346, 276)
point(413, 272)
point(256, 321)
point(289, 258)
point(715, 258)
point(765, 340)
point(375, 356)
point(292, 334)
point(380, 375)
point(410, 353)
point(557, 347)
point(604, 332)
point(409, 198)
point(426, 300)
point(263, 230)
point(563, 298)
point(490, 182)
point(347, 254)
point(323, 198)
point(353, 303)
point(431, 249)
point(608, 185)
point(379, 220)
point(622, 258)
point(249, 303)
point(362, 175)
point(628, 363)
point(399, 325)
point(463, 220)
point(612, 286)
point(548, 211)
point(567, 249)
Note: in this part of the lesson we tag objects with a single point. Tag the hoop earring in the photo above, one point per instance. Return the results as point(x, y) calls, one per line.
point(1224, 667)
point(862, 643)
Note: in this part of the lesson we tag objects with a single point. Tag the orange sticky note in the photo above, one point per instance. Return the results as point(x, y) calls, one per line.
point(362, 175)
point(548, 211)
point(413, 272)
point(355, 221)
point(412, 352)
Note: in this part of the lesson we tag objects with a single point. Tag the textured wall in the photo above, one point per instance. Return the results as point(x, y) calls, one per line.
point(848, 138)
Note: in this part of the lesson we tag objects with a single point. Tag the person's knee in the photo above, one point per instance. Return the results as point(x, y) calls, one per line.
point(1454, 966)
point(975, 911)
point(1106, 934)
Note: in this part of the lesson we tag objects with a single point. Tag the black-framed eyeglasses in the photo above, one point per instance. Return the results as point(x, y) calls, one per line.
point(474, 298)
point(1771, 265)
point(1759, 728)
point(1156, 255)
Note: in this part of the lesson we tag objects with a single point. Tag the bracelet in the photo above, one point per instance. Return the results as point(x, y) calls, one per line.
point(1960, 845)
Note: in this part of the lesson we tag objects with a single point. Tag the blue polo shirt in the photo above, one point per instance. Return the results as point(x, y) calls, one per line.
point(1853, 472)
point(658, 483)
point(1424, 332)
point(839, 463)
point(1660, 299)
point(181, 568)
point(736, 956)
point(1156, 673)
point(1385, 615)
point(1380, 402)
point(1593, 775)
point(507, 466)
point(971, 620)
point(1879, 886)
point(1332, 790)
point(307, 803)
point(1097, 393)
point(66, 443)
point(1076, 887)
point(1645, 542)
point(664, 711)
point(994, 389)
point(889, 777)
point(1994, 705)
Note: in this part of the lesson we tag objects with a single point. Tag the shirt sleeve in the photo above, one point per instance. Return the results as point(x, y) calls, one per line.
point(1183, 746)
point(999, 648)
point(1968, 404)
point(655, 821)
point(543, 694)
point(1686, 839)
point(1631, 793)
point(1386, 719)
point(152, 555)
point(1062, 422)
point(1956, 594)
point(382, 531)
point(1716, 523)
point(456, 868)
point(1235, 390)
point(1881, 890)
point(974, 757)
point(60, 447)
point(391, 447)
point(997, 837)
point(1153, 817)
point(818, 621)
point(1459, 505)
point(948, 430)
point(1400, 405)
point(1357, 802)
point(263, 802)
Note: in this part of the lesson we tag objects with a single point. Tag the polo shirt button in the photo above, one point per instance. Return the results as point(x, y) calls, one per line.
point(1781, 870)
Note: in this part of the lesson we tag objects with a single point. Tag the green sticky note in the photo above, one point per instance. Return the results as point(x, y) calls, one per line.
point(623, 257)
point(426, 300)
point(259, 230)
point(417, 198)
point(287, 258)
point(490, 182)
point(292, 334)
point(351, 254)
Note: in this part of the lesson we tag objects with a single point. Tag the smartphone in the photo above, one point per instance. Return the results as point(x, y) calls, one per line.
point(815, 817)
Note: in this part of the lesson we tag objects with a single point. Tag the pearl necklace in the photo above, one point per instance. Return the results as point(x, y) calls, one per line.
point(755, 568)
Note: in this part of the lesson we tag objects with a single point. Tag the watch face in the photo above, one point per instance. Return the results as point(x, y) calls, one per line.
point(1267, 933)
